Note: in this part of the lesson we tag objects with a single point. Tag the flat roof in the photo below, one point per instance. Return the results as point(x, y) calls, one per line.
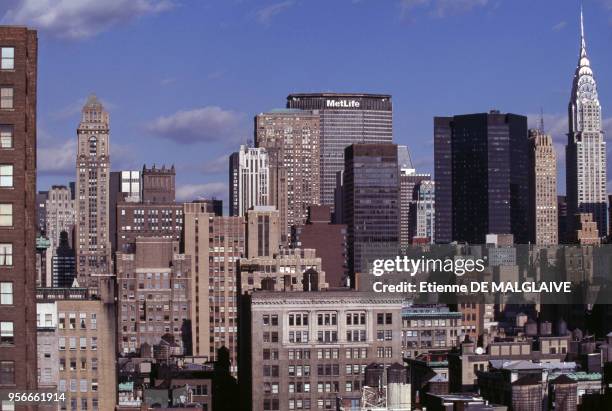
point(330, 94)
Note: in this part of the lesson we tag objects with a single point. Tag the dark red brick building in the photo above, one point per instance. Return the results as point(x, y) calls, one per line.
point(18, 69)
point(329, 241)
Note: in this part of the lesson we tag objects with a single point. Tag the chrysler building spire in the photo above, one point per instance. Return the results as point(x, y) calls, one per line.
point(582, 40)
point(586, 148)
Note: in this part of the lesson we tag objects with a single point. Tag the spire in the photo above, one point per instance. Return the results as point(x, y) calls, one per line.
point(583, 52)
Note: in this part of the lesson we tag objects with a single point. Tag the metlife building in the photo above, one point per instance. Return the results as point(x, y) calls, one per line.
point(345, 119)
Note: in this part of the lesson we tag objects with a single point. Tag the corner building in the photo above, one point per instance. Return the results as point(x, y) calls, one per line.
point(345, 119)
point(305, 349)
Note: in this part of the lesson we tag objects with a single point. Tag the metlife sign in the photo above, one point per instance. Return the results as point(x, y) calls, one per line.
point(342, 104)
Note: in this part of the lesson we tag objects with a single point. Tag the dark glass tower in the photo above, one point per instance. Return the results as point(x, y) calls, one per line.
point(64, 263)
point(482, 183)
point(371, 202)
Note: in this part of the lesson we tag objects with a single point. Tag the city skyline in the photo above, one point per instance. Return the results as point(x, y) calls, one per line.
point(228, 98)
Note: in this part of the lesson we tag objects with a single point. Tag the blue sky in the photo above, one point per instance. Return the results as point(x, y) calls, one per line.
point(182, 79)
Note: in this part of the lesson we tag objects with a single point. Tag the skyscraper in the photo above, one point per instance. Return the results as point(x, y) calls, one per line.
point(409, 181)
point(371, 201)
point(60, 214)
point(585, 153)
point(249, 180)
point(425, 212)
point(482, 183)
point(543, 216)
point(215, 245)
point(18, 70)
point(92, 242)
point(294, 135)
point(345, 119)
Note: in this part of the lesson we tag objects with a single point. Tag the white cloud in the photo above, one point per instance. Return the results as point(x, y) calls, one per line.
point(440, 8)
point(189, 192)
point(206, 124)
point(266, 14)
point(559, 26)
point(59, 159)
point(77, 19)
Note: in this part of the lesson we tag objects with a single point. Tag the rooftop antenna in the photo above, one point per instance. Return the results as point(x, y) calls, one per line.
point(542, 120)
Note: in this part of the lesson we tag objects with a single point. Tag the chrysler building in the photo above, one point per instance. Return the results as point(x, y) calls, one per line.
point(92, 243)
point(586, 149)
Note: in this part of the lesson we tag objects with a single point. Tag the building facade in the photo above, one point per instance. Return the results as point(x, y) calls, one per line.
point(82, 343)
point(345, 119)
point(425, 215)
point(154, 286)
point(249, 180)
point(294, 136)
point(307, 348)
point(371, 201)
point(409, 181)
point(18, 71)
point(585, 153)
point(289, 269)
point(60, 214)
point(429, 328)
point(543, 214)
point(215, 245)
point(92, 239)
point(482, 183)
point(63, 263)
point(328, 240)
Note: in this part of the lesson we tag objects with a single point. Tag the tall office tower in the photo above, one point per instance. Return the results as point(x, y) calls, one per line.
point(482, 182)
point(585, 153)
point(371, 201)
point(543, 217)
point(158, 184)
point(249, 180)
point(294, 136)
point(215, 245)
point(82, 344)
point(92, 239)
point(18, 70)
point(63, 263)
point(409, 180)
point(327, 239)
point(303, 350)
point(154, 286)
point(155, 215)
point(60, 214)
point(263, 231)
point(345, 119)
point(425, 213)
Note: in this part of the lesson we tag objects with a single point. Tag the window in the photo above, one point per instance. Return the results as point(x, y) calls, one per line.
point(6, 175)
point(6, 98)
point(8, 405)
point(7, 55)
point(6, 215)
point(7, 372)
point(7, 335)
point(6, 254)
point(6, 136)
